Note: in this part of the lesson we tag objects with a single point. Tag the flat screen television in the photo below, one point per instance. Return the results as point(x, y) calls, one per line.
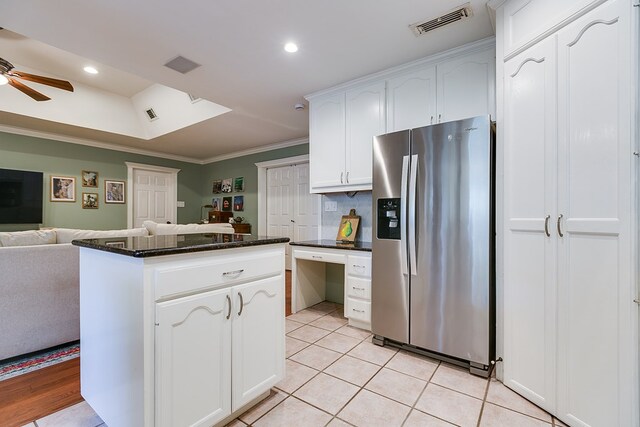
point(20, 197)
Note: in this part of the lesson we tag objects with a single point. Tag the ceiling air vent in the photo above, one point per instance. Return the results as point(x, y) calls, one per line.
point(151, 114)
point(182, 64)
point(458, 14)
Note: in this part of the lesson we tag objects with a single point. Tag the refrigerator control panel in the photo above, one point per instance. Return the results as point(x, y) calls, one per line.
point(388, 219)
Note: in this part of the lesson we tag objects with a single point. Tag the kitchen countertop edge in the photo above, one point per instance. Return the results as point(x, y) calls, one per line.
point(99, 244)
point(332, 244)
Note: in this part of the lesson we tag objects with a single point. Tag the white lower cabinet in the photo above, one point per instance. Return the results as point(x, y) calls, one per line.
point(217, 351)
point(193, 360)
point(357, 301)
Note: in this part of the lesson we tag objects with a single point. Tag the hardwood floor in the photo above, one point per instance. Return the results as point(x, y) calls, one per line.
point(34, 395)
point(31, 396)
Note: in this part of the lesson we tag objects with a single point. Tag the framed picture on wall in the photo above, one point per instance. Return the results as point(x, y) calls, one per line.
point(227, 185)
point(238, 184)
point(90, 179)
point(238, 203)
point(226, 204)
point(89, 200)
point(63, 189)
point(217, 187)
point(114, 191)
point(216, 204)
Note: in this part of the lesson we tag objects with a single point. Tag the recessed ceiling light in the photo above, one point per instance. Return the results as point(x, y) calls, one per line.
point(291, 47)
point(3, 80)
point(91, 70)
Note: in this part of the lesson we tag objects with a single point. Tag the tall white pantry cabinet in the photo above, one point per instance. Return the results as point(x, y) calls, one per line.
point(568, 118)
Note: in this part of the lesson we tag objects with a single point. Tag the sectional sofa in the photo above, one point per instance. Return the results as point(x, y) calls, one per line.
point(39, 282)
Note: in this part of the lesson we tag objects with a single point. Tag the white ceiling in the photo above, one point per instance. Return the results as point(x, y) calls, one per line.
point(240, 47)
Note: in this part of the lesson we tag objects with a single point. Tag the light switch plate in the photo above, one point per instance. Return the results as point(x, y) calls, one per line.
point(330, 206)
point(180, 204)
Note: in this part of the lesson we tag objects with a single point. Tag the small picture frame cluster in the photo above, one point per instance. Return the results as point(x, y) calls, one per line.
point(229, 203)
point(63, 189)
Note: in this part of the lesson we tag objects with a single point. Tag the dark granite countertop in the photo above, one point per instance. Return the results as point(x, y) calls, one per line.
point(332, 244)
point(150, 246)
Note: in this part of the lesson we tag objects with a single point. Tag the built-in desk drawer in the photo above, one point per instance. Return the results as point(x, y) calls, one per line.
point(320, 256)
point(358, 310)
point(359, 266)
point(359, 288)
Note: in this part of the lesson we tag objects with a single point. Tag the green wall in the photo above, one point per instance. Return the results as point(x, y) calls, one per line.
point(244, 166)
point(66, 159)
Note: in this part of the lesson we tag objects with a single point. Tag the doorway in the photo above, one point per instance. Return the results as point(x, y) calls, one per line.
point(286, 208)
point(153, 194)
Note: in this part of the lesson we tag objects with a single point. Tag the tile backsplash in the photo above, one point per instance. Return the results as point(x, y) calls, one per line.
point(361, 202)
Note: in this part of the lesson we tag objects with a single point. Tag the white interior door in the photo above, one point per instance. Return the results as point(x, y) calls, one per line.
point(292, 211)
point(279, 205)
point(154, 194)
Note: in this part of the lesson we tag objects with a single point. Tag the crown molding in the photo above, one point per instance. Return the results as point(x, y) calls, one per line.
point(256, 150)
point(95, 144)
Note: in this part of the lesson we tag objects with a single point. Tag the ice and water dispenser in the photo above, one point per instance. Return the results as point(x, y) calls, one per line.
point(389, 219)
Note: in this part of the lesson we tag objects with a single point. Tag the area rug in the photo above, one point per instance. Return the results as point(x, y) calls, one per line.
point(31, 362)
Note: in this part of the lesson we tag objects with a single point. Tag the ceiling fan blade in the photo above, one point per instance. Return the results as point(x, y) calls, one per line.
point(60, 84)
point(27, 90)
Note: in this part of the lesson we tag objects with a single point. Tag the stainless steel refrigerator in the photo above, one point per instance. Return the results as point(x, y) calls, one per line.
point(433, 286)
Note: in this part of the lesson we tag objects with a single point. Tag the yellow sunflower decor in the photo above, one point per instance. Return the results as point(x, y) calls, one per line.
point(348, 227)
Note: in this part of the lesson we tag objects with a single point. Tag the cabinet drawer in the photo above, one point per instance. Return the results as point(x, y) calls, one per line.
point(320, 256)
point(216, 273)
point(359, 288)
point(358, 310)
point(359, 266)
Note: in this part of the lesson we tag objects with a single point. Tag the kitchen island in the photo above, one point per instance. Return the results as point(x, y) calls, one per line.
point(180, 330)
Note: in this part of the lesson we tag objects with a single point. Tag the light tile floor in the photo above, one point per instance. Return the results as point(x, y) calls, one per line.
point(336, 377)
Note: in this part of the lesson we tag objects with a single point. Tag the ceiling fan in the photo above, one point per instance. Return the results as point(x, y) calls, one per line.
point(7, 72)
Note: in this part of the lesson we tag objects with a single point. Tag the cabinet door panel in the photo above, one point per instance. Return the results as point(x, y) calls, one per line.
point(594, 197)
point(411, 100)
point(193, 356)
point(529, 254)
point(466, 87)
point(327, 141)
point(365, 119)
point(258, 338)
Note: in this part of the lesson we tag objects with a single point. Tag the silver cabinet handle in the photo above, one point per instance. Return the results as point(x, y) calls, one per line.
point(546, 226)
point(241, 303)
point(347, 177)
point(357, 311)
point(232, 273)
point(292, 221)
point(431, 119)
point(439, 118)
point(357, 289)
point(558, 223)
point(229, 300)
point(341, 176)
point(358, 266)
point(316, 257)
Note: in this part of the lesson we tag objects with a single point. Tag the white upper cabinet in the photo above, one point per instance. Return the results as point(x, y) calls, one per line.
point(411, 99)
point(341, 131)
point(327, 141)
point(343, 122)
point(466, 87)
point(365, 119)
point(528, 21)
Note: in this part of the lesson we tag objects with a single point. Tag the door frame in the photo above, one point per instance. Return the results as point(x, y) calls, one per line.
point(262, 188)
point(131, 167)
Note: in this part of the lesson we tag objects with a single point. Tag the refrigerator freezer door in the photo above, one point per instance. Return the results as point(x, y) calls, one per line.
point(389, 281)
point(450, 293)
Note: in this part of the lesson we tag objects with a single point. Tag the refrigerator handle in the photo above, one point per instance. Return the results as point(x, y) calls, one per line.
point(403, 215)
point(412, 214)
